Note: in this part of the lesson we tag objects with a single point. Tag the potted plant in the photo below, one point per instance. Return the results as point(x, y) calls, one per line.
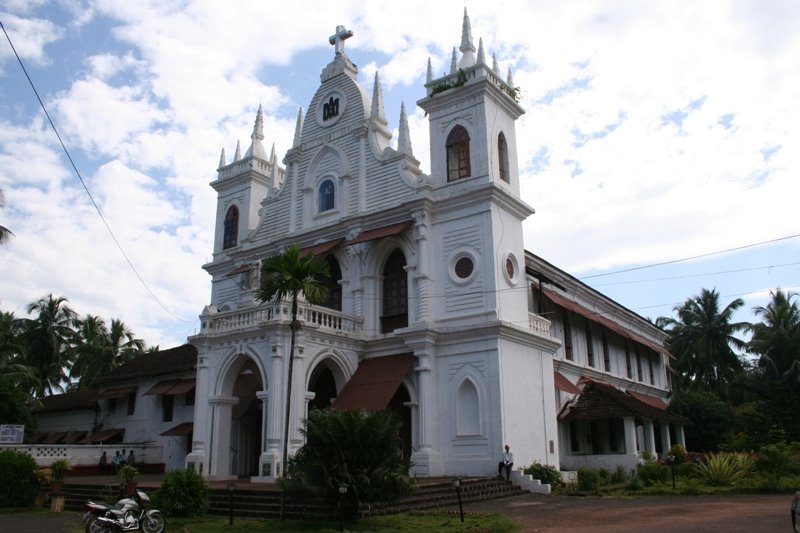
point(129, 475)
point(58, 469)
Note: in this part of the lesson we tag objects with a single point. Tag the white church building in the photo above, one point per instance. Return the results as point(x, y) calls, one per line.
point(436, 310)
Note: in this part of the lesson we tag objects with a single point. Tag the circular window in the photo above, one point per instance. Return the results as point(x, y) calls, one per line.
point(510, 267)
point(464, 267)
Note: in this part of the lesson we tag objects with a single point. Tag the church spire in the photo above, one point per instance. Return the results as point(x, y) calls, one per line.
point(481, 53)
point(495, 66)
point(404, 137)
point(256, 145)
point(453, 62)
point(429, 75)
point(509, 79)
point(467, 47)
point(298, 128)
point(222, 161)
point(237, 155)
point(273, 173)
point(377, 101)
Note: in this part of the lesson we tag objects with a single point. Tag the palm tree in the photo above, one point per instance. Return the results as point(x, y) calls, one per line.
point(99, 349)
point(288, 275)
point(776, 339)
point(703, 339)
point(49, 339)
point(5, 233)
point(12, 352)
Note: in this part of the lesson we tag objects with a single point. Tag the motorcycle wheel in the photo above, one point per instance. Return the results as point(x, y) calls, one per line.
point(153, 522)
point(92, 526)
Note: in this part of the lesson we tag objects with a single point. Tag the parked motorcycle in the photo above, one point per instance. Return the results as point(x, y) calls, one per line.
point(129, 514)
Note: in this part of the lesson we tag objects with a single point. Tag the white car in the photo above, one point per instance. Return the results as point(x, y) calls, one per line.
point(796, 512)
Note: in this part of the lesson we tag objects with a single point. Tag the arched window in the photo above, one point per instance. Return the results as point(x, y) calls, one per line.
point(502, 154)
point(457, 154)
point(468, 420)
point(395, 293)
point(334, 299)
point(230, 236)
point(327, 196)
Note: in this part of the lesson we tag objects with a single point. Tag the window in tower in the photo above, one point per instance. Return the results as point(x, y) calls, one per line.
point(231, 228)
point(502, 154)
point(457, 154)
point(327, 196)
point(395, 293)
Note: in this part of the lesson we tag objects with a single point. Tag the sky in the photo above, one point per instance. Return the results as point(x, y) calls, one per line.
point(654, 131)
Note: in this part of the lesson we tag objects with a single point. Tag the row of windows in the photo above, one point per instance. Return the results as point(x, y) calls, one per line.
point(167, 404)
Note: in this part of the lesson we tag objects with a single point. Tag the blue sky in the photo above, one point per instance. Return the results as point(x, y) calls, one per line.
point(653, 131)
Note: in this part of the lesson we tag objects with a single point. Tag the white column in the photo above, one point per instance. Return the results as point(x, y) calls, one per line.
point(666, 442)
point(680, 435)
point(219, 455)
point(629, 423)
point(649, 437)
point(202, 412)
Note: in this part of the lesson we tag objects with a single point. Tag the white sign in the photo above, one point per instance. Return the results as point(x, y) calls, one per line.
point(11, 433)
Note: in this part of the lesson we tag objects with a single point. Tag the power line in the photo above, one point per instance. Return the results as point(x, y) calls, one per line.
point(85, 188)
point(690, 258)
point(695, 275)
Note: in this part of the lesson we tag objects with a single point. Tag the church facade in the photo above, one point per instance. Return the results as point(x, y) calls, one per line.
point(435, 309)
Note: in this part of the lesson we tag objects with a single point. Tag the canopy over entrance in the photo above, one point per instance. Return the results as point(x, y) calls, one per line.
point(374, 383)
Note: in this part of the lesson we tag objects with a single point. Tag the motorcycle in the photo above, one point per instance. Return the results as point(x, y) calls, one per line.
point(129, 514)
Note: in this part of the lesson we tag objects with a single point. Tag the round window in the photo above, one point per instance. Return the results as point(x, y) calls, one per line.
point(464, 267)
point(510, 267)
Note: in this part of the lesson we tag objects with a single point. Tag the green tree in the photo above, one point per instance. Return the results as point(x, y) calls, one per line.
point(290, 274)
point(703, 340)
point(14, 405)
point(12, 352)
point(711, 419)
point(99, 350)
point(49, 339)
point(776, 339)
point(5, 233)
point(355, 448)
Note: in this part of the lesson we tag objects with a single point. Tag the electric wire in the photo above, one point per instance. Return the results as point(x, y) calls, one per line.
point(83, 183)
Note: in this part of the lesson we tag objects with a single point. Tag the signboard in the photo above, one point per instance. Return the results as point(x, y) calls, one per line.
point(11, 433)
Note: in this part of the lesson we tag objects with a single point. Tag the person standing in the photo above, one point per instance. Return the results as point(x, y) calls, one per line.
point(506, 463)
point(104, 463)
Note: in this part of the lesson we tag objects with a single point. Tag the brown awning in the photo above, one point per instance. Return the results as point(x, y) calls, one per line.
point(321, 248)
point(386, 231)
point(374, 383)
point(55, 438)
point(602, 400)
point(172, 387)
point(652, 401)
point(102, 436)
point(38, 437)
point(577, 308)
point(238, 270)
point(564, 384)
point(74, 436)
point(180, 429)
point(115, 393)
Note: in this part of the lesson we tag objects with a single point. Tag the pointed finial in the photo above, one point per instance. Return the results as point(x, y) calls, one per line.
point(272, 156)
point(495, 66)
point(298, 128)
point(377, 101)
point(467, 48)
point(404, 137)
point(258, 127)
point(256, 148)
point(481, 54)
point(238, 154)
point(429, 75)
point(273, 172)
point(453, 62)
point(509, 79)
point(222, 161)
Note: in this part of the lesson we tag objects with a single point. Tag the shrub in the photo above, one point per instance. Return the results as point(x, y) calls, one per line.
point(653, 473)
point(183, 493)
point(59, 469)
point(724, 468)
point(686, 470)
point(776, 461)
point(128, 473)
point(588, 479)
point(547, 474)
point(635, 483)
point(620, 475)
point(19, 480)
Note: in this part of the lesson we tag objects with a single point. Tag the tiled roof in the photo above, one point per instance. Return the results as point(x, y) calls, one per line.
point(172, 361)
point(601, 400)
point(70, 401)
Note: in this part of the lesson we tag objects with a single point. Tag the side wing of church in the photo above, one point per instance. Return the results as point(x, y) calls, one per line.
point(435, 308)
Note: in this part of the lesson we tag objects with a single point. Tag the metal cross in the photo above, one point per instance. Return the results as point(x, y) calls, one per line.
point(337, 39)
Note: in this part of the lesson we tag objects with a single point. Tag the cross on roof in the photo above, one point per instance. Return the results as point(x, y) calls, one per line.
point(337, 39)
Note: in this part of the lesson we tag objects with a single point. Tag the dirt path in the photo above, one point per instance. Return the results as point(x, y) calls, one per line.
point(674, 514)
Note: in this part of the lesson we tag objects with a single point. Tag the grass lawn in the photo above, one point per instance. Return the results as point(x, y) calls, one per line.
point(416, 521)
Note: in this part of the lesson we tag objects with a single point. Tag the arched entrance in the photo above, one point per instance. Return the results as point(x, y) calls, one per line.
point(399, 405)
point(242, 381)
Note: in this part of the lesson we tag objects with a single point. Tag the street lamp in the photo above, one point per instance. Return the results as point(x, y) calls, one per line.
point(231, 490)
point(342, 493)
point(457, 485)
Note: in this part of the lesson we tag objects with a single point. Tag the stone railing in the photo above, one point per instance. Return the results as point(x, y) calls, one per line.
point(309, 316)
point(86, 454)
point(539, 324)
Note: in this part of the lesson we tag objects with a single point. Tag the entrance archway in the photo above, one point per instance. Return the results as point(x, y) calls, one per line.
point(246, 421)
point(399, 405)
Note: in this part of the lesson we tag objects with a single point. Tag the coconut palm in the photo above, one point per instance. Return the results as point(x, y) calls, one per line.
point(49, 337)
point(12, 352)
point(290, 274)
point(703, 339)
point(776, 339)
point(100, 349)
point(5, 233)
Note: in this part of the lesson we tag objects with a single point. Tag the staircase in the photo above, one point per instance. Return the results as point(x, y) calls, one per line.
point(265, 502)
